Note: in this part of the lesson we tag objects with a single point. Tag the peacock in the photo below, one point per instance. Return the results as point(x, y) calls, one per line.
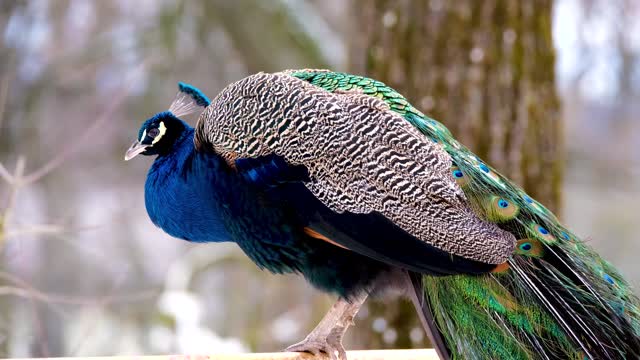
point(338, 178)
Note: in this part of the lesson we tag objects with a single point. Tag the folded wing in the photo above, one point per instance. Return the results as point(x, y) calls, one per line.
point(360, 158)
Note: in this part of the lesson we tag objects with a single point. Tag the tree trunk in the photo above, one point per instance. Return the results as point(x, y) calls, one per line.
point(483, 68)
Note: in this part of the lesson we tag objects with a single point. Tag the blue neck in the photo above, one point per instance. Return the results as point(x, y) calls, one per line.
point(182, 192)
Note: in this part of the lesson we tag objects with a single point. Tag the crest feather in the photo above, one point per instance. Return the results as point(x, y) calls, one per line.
point(189, 100)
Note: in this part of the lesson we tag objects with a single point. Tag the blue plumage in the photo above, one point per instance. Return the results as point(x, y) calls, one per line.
point(178, 191)
point(269, 171)
point(198, 196)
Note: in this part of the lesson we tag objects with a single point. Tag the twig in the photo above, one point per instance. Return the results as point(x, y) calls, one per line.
point(13, 192)
point(4, 90)
point(45, 229)
point(23, 289)
point(77, 300)
point(4, 174)
point(35, 230)
point(71, 147)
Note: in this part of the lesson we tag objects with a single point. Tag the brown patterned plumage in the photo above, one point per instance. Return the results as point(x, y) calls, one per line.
point(361, 158)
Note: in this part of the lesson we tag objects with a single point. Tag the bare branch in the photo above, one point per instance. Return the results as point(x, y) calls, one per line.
point(6, 212)
point(64, 154)
point(4, 90)
point(22, 289)
point(35, 230)
point(4, 174)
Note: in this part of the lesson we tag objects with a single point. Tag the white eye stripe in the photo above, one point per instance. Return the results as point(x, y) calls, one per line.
point(163, 130)
point(144, 134)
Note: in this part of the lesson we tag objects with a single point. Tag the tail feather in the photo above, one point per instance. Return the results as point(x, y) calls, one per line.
point(558, 299)
point(419, 301)
point(534, 310)
point(565, 316)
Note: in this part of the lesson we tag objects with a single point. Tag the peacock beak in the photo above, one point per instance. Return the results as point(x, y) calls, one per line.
point(135, 149)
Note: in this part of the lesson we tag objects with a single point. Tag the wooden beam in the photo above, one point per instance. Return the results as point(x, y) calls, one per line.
point(414, 354)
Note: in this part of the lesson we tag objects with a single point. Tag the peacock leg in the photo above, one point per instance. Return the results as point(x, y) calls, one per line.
point(327, 335)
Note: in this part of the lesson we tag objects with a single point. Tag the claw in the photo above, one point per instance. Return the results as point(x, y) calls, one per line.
point(331, 347)
point(326, 338)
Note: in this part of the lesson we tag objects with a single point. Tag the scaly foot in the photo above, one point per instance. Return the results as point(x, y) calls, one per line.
point(326, 338)
point(317, 343)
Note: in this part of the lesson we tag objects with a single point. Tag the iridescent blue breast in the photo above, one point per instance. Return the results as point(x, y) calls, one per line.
point(181, 198)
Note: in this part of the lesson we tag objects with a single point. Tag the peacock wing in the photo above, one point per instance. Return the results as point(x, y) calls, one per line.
point(363, 161)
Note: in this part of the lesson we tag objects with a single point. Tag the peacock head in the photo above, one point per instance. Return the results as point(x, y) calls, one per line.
point(159, 133)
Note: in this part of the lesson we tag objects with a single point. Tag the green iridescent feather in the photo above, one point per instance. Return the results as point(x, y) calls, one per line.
point(557, 299)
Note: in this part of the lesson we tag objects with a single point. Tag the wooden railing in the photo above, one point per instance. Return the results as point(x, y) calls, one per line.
point(415, 354)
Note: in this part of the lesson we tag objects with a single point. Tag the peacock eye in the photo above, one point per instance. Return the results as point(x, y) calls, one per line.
point(153, 133)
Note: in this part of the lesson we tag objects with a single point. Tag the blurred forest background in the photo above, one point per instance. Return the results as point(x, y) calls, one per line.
point(84, 272)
